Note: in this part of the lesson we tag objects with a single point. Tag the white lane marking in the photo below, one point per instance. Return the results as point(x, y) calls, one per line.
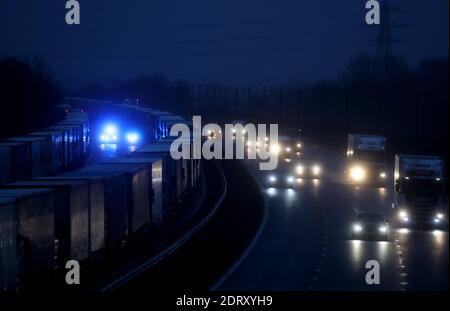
point(403, 275)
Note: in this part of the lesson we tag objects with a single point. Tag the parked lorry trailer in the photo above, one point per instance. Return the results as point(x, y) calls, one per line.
point(82, 139)
point(155, 194)
point(171, 174)
point(96, 210)
point(8, 236)
point(39, 153)
point(15, 162)
point(27, 236)
point(75, 147)
point(115, 200)
point(190, 166)
point(71, 216)
point(138, 177)
point(57, 160)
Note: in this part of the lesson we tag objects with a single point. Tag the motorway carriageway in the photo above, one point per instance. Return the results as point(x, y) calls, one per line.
point(306, 242)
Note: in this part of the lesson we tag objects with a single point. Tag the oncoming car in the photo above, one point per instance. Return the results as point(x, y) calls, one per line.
point(280, 179)
point(308, 169)
point(370, 225)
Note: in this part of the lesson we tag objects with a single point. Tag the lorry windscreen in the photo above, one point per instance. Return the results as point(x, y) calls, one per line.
point(421, 187)
point(369, 156)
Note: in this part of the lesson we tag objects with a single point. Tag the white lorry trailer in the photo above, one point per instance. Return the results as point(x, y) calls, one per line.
point(418, 187)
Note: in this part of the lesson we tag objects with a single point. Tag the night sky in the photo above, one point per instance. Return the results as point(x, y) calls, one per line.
point(234, 42)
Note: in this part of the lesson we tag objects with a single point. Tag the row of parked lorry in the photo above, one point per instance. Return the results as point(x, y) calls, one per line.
point(49, 218)
point(418, 180)
point(46, 151)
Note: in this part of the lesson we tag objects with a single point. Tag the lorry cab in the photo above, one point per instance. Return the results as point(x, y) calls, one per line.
point(418, 187)
point(367, 158)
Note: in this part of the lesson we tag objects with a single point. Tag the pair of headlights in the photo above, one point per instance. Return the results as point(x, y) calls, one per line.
point(358, 174)
point(404, 217)
point(358, 228)
point(315, 170)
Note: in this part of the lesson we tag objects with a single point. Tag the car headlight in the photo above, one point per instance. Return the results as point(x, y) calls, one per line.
point(403, 215)
point(299, 145)
point(275, 148)
point(290, 179)
point(358, 173)
point(383, 229)
point(316, 170)
point(288, 149)
point(357, 228)
point(438, 218)
point(300, 169)
point(272, 178)
point(383, 175)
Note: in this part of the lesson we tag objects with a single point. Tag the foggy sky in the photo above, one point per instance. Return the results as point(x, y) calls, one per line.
point(234, 42)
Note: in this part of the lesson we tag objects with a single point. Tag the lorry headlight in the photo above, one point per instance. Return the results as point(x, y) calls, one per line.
point(440, 216)
point(358, 173)
point(290, 179)
point(403, 215)
point(357, 228)
point(275, 148)
point(288, 149)
point(316, 170)
point(272, 178)
point(383, 229)
point(383, 175)
point(436, 220)
point(300, 169)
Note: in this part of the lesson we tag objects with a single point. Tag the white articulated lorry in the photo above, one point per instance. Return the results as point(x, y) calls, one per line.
point(418, 188)
point(366, 158)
